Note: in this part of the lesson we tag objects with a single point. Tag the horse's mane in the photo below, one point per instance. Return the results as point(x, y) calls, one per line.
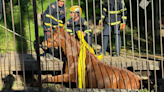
point(72, 40)
point(69, 37)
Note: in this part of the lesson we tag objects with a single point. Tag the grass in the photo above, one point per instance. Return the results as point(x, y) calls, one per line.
point(3, 41)
point(145, 90)
point(0, 87)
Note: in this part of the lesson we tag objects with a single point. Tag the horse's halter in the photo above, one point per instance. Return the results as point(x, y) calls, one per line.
point(53, 41)
point(56, 38)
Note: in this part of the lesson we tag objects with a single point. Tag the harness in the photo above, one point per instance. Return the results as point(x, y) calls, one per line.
point(49, 41)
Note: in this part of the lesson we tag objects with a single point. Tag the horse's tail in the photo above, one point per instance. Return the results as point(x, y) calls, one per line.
point(138, 77)
point(138, 81)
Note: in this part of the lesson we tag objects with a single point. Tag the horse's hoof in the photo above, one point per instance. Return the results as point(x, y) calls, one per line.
point(32, 85)
point(29, 85)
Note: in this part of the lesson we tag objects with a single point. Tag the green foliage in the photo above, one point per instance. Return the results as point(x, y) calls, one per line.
point(0, 87)
point(3, 40)
point(146, 90)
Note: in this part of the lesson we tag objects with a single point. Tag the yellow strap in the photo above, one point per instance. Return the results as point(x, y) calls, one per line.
point(121, 24)
point(71, 33)
point(81, 59)
point(84, 42)
point(124, 9)
point(114, 12)
point(48, 24)
point(105, 9)
point(103, 16)
point(50, 16)
point(114, 23)
point(124, 17)
point(86, 31)
point(99, 21)
point(60, 24)
point(69, 30)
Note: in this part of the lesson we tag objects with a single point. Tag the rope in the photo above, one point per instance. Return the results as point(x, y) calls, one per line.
point(81, 59)
point(16, 33)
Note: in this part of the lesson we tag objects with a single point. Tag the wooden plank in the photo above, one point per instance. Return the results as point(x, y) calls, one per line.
point(29, 65)
point(121, 63)
point(136, 65)
point(99, 90)
point(151, 56)
point(29, 62)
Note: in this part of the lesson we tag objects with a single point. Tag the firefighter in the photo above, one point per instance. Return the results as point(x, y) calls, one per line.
point(113, 23)
point(53, 15)
point(75, 12)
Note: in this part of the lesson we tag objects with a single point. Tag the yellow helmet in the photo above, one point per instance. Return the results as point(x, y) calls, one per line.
point(76, 9)
point(62, 0)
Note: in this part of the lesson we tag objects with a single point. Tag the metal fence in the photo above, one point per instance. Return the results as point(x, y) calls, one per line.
point(141, 50)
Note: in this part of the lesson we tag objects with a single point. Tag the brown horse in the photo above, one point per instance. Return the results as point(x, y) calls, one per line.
point(97, 74)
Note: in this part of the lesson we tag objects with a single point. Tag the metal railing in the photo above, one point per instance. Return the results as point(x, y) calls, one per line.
point(107, 59)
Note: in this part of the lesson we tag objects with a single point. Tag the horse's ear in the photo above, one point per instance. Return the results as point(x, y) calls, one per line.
point(63, 28)
point(56, 28)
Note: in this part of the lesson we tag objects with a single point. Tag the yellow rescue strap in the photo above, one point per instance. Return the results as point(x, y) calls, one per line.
point(81, 38)
point(81, 59)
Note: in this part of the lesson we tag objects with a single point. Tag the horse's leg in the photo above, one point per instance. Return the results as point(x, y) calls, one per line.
point(58, 78)
point(66, 67)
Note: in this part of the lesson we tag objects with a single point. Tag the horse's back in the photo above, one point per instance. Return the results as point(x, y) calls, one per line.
point(122, 78)
point(129, 80)
point(112, 77)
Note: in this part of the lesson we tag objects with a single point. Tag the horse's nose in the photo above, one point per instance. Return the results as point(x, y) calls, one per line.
point(44, 46)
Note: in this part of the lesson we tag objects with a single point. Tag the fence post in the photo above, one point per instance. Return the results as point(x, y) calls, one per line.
point(37, 45)
point(1, 9)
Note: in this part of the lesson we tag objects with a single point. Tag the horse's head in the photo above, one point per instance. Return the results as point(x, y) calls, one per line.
point(53, 38)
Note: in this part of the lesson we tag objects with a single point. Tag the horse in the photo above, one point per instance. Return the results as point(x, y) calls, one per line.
point(97, 73)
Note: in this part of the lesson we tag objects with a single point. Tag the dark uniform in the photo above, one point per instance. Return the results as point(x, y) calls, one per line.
point(113, 22)
point(77, 28)
point(54, 18)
